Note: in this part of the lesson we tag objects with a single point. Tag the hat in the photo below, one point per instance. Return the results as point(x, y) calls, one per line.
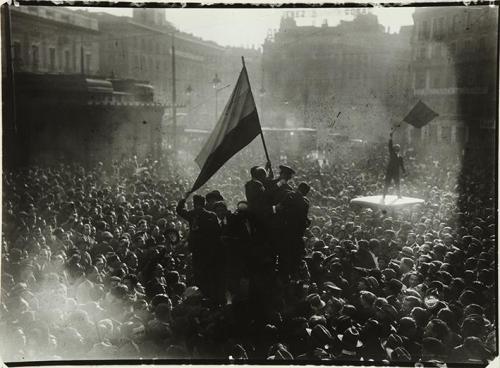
point(321, 336)
point(400, 354)
point(329, 286)
point(350, 339)
point(395, 285)
point(407, 251)
point(316, 302)
point(287, 170)
point(214, 194)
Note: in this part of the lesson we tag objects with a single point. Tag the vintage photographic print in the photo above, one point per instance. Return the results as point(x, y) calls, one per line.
point(312, 184)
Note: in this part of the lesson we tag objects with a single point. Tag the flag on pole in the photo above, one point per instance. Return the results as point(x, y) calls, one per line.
point(420, 115)
point(237, 126)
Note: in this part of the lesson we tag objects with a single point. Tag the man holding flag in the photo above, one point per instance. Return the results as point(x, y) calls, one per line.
point(418, 117)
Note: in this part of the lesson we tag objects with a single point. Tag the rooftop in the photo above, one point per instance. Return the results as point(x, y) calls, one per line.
point(59, 14)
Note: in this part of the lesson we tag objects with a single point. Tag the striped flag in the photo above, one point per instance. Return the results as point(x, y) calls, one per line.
point(237, 126)
point(420, 115)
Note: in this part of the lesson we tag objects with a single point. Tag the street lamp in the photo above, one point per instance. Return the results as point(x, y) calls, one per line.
point(189, 91)
point(216, 81)
point(262, 93)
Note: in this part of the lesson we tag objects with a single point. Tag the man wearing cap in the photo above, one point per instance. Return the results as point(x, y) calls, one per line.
point(395, 164)
point(211, 199)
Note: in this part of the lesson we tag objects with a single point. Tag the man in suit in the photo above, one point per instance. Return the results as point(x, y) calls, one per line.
point(394, 167)
point(203, 238)
point(255, 191)
point(279, 188)
point(294, 211)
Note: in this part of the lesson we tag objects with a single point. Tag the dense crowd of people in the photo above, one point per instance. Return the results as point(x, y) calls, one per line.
point(112, 262)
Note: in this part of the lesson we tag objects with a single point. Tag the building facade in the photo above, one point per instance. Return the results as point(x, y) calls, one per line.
point(53, 40)
point(353, 76)
point(140, 47)
point(454, 71)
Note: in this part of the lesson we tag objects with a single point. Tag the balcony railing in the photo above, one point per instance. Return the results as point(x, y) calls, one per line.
point(452, 91)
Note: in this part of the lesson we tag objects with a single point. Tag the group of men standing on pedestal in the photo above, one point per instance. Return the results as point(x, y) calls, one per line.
point(281, 216)
point(265, 231)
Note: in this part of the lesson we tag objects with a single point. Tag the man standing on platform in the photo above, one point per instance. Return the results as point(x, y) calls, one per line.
point(294, 211)
point(202, 240)
point(279, 188)
point(393, 169)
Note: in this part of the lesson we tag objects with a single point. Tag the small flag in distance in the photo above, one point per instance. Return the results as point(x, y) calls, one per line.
point(420, 115)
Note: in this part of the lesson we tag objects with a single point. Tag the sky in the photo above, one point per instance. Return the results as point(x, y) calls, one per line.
point(247, 27)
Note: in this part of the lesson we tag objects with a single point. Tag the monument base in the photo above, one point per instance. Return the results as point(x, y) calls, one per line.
point(391, 202)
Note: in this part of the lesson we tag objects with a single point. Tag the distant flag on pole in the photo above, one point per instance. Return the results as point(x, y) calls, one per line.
point(420, 115)
point(237, 126)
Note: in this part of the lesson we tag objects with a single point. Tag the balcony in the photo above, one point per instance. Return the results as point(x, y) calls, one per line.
point(451, 91)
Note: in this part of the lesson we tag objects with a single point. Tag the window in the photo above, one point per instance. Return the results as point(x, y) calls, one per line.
point(422, 54)
point(468, 46)
point(481, 44)
point(454, 25)
point(52, 59)
point(471, 80)
point(426, 29)
point(453, 49)
point(435, 27)
point(16, 54)
point(88, 60)
point(446, 134)
point(451, 79)
point(436, 81)
point(437, 51)
point(420, 80)
point(468, 22)
point(35, 57)
point(66, 60)
point(441, 26)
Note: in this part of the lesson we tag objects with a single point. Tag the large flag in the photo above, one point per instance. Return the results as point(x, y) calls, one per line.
point(420, 115)
point(237, 126)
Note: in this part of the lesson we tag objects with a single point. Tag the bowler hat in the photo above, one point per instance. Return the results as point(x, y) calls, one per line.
point(287, 170)
point(350, 339)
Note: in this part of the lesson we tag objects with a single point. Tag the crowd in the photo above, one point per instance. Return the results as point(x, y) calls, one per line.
point(107, 262)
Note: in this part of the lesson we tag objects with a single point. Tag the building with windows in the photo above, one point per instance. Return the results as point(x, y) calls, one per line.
point(53, 40)
point(353, 75)
point(454, 71)
point(141, 47)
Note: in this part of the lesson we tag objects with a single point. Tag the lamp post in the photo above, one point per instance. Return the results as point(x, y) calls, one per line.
point(262, 93)
point(189, 91)
point(215, 83)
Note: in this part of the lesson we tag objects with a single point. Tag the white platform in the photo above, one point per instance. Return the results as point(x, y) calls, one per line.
point(390, 202)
